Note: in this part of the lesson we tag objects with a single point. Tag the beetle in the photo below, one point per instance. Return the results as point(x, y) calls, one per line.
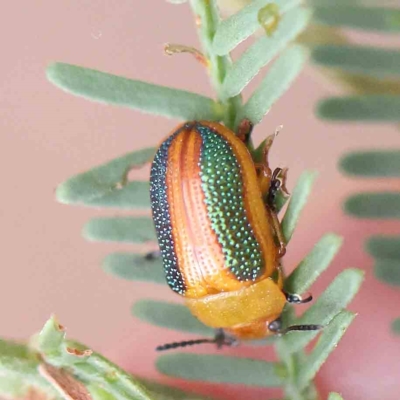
point(218, 232)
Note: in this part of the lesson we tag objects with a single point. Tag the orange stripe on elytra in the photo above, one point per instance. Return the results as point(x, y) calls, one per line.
point(189, 186)
point(200, 257)
point(209, 257)
point(257, 213)
point(176, 210)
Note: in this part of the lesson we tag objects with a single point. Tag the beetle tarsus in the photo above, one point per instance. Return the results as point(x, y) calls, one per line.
point(221, 339)
point(279, 234)
point(278, 183)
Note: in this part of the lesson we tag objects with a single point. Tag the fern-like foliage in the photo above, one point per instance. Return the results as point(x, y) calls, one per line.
point(371, 77)
point(108, 186)
point(52, 367)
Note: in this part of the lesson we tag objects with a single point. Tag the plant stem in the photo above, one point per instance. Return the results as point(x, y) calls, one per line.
point(208, 18)
point(292, 362)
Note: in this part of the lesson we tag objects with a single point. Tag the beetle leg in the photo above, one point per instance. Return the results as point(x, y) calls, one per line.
point(222, 338)
point(283, 179)
point(274, 187)
point(279, 234)
point(269, 141)
point(263, 170)
point(278, 183)
point(270, 183)
point(264, 178)
point(152, 255)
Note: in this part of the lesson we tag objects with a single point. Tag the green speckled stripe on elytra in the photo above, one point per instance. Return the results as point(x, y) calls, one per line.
point(223, 189)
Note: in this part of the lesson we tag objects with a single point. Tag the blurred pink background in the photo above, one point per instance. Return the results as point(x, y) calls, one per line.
point(48, 135)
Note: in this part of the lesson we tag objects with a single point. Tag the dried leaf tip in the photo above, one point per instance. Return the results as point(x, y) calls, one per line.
point(78, 352)
point(57, 325)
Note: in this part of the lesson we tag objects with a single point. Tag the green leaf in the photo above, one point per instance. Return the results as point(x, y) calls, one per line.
point(366, 60)
point(134, 195)
point(10, 348)
point(309, 269)
point(143, 96)
point(385, 205)
point(325, 345)
point(388, 271)
point(278, 79)
point(297, 202)
point(385, 20)
point(19, 373)
point(334, 396)
point(51, 337)
point(164, 392)
point(105, 184)
point(368, 108)
point(87, 366)
point(263, 51)
point(171, 316)
point(384, 246)
point(134, 267)
point(336, 3)
point(395, 326)
point(335, 298)
point(378, 163)
point(243, 24)
point(177, 317)
point(120, 229)
point(219, 369)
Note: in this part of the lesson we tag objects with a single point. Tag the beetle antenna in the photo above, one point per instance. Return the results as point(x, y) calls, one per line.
point(220, 339)
point(301, 328)
point(175, 345)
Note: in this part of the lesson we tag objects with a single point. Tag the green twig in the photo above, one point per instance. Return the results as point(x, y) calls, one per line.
point(291, 362)
point(207, 15)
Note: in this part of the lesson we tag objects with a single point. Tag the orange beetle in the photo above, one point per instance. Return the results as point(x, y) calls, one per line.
point(218, 232)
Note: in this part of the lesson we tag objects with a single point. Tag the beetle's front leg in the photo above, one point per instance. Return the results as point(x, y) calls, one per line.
point(152, 255)
point(270, 184)
point(278, 183)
